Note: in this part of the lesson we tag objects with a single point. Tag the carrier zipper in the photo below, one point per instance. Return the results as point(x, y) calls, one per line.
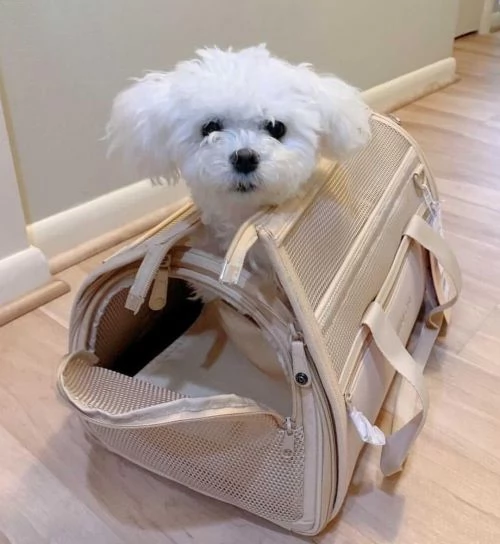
point(415, 145)
point(301, 365)
point(328, 429)
point(324, 417)
point(244, 305)
point(160, 423)
point(207, 265)
point(288, 443)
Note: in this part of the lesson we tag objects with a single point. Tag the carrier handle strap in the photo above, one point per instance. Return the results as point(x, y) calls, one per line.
point(410, 368)
point(184, 208)
point(398, 444)
point(159, 246)
point(443, 261)
point(242, 243)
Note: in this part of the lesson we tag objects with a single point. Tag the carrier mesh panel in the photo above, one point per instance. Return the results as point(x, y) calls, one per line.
point(116, 327)
point(99, 388)
point(340, 328)
point(340, 210)
point(326, 232)
point(237, 460)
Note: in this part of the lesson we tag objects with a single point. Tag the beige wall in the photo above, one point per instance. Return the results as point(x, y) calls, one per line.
point(62, 61)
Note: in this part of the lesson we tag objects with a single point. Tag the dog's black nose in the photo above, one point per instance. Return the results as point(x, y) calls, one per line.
point(244, 160)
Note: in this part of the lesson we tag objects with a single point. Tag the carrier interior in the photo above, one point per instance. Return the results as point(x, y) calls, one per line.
point(182, 348)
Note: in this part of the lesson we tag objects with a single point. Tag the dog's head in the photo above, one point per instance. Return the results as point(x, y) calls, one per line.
point(237, 125)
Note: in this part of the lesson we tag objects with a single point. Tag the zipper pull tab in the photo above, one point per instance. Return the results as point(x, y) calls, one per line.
point(158, 297)
point(370, 434)
point(288, 444)
point(433, 205)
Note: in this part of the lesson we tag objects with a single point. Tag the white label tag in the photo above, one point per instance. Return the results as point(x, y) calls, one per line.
point(368, 433)
point(435, 218)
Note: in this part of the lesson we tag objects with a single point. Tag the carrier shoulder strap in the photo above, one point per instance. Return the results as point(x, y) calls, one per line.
point(410, 368)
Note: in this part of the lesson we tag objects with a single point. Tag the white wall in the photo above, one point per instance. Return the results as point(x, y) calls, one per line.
point(62, 61)
point(22, 268)
point(12, 231)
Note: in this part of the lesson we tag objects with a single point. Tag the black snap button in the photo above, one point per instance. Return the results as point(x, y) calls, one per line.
point(301, 378)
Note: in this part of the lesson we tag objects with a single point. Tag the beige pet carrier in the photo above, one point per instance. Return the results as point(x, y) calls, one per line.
point(263, 398)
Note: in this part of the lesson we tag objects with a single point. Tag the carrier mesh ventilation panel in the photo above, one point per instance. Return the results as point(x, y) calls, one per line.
point(237, 460)
point(335, 218)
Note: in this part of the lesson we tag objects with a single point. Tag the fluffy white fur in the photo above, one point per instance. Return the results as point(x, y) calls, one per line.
point(157, 125)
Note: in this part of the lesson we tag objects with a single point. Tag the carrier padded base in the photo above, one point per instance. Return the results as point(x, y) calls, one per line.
point(204, 362)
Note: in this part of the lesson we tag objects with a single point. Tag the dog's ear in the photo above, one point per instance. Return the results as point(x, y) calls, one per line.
point(345, 117)
point(141, 125)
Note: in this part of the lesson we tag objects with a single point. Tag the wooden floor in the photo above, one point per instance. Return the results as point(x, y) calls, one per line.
point(54, 487)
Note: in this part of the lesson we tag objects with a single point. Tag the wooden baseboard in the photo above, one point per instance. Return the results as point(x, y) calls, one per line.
point(409, 87)
point(88, 249)
point(32, 300)
point(62, 232)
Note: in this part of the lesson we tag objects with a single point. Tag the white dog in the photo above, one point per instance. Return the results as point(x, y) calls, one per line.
point(242, 128)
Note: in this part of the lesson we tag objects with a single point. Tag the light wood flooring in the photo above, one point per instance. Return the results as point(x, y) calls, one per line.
point(56, 488)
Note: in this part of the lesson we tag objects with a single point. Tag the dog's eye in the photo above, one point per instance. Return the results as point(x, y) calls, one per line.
point(211, 126)
point(276, 129)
